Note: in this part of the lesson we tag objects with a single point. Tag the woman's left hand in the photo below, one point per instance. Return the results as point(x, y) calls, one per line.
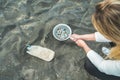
point(81, 43)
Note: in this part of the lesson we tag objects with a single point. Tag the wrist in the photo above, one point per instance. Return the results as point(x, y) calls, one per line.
point(86, 48)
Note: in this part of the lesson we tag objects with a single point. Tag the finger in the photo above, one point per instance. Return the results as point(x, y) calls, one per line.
point(73, 39)
point(79, 41)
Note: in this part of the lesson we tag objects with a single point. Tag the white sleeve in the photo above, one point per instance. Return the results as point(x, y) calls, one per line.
point(100, 38)
point(110, 67)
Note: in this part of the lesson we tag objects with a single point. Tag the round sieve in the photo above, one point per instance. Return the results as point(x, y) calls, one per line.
point(62, 32)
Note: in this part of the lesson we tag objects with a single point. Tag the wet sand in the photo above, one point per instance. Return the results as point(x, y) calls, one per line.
point(31, 22)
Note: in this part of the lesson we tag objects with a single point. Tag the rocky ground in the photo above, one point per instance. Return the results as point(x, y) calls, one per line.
point(25, 22)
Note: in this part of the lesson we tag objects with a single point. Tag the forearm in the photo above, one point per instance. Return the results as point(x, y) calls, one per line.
point(94, 37)
point(88, 37)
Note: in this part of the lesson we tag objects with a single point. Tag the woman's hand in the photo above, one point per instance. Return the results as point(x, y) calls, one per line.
point(80, 43)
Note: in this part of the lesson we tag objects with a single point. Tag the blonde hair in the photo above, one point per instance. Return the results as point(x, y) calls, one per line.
point(106, 20)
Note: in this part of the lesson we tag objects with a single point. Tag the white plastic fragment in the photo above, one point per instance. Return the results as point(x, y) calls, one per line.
point(41, 52)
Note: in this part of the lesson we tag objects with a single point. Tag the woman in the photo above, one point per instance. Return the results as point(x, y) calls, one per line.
point(106, 21)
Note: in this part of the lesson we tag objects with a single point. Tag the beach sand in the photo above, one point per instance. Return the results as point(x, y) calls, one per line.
point(25, 22)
